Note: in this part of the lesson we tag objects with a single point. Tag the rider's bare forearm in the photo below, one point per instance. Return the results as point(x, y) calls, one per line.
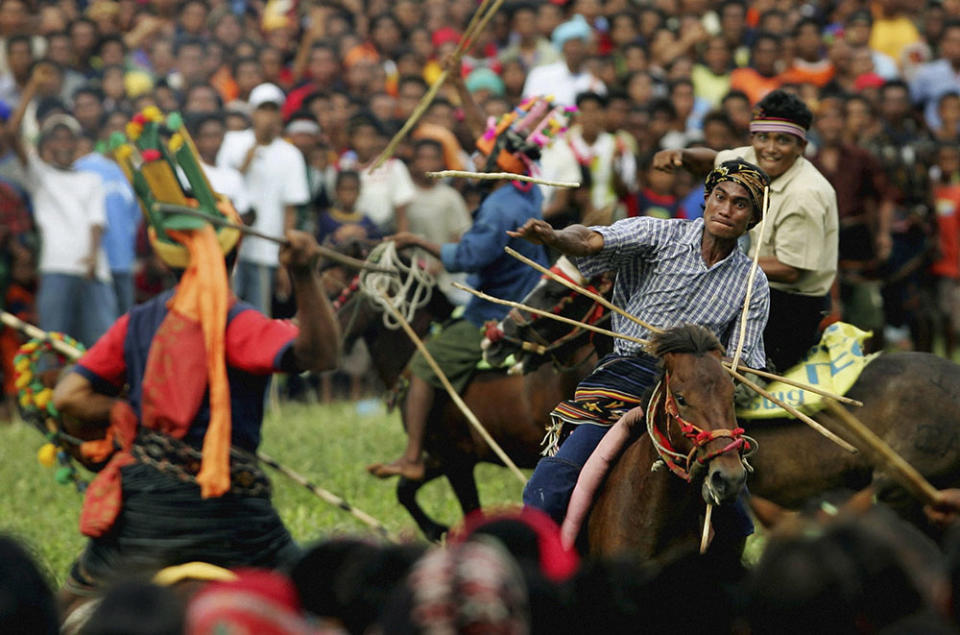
point(577, 240)
point(698, 161)
point(317, 346)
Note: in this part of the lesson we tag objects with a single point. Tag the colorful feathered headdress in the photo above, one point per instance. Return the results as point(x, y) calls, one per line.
point(514, 141)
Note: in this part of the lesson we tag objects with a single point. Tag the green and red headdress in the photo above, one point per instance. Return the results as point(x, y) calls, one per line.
point(152, 154)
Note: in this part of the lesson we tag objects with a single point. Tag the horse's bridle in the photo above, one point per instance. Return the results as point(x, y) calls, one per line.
point(594, 314)
point(697, 458)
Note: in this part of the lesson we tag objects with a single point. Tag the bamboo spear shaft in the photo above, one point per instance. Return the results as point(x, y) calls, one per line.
point(750, 278)
point(500, 176)
point(326, 252)
point(475, 26)
point(33, 332)
point(464, 408)
point(878, 449)
point(705, 537)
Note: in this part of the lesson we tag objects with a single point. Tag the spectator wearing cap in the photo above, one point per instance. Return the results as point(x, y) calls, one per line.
point(276, 181)
point(526, 43)
point(75, 296)
point(305, 133)
point(940, 76)
point(568, 77)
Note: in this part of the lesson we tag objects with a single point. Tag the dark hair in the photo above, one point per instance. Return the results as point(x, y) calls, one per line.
point(196, 121)
point(734, 94)
point(243, 60)
point(48, 105)
point(137, 608)
point(18, 38)
point(893, 83)
point(108, 39)
point(428, 143)
point(26, 602)
point(780, 104)
point(662, 105)
point(947, 25)
point(193, 87)
point(682, 81)
point(596, 98)
point(629, 15)
point(79, 21)
point(805, 22)
point(343, 175)
point(765, 35)
point(719, 117)
point(947, 95)
point(412, 79)
point(88, 89)
point(188, 41)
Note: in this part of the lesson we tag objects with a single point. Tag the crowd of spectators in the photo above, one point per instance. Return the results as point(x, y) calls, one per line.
point(290, 102)
point(509, 574)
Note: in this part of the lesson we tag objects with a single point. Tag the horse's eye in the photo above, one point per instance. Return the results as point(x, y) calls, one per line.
point(680, 400)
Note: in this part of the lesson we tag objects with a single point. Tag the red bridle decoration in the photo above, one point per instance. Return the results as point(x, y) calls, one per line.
point(697, 457)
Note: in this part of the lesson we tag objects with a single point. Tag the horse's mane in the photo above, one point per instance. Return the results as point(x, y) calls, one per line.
point(688, 338)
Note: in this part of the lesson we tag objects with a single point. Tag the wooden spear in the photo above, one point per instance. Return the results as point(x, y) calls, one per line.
point(326, 252)
point(500, 176)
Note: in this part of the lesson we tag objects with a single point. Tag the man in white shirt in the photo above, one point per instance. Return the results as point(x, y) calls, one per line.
point(568, 77)
point(75, 295)
point(385, 193)
point(276, 181)
point(208, 131)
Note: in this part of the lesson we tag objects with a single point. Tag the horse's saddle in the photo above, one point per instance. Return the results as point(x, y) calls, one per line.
point(833, 365)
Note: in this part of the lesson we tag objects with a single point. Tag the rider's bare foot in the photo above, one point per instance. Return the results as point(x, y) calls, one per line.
point(412, 470)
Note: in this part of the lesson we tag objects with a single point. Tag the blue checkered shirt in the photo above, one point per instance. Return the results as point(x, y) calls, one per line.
point(662, 279)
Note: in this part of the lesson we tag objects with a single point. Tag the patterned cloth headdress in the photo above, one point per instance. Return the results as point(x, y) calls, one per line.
point(751, 177)
point(514, 141)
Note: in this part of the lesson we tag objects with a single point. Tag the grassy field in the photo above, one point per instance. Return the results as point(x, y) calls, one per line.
point(330, 445)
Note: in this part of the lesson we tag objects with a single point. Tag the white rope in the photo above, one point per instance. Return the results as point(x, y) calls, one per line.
point(406, 292)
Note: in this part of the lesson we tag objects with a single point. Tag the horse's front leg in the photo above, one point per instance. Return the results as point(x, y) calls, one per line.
point(464, 485)
point(407, 496)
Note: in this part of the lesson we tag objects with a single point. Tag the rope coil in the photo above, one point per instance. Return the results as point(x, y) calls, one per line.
point(406, 292)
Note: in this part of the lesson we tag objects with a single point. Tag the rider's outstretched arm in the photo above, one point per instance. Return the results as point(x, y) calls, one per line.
point(574, 240)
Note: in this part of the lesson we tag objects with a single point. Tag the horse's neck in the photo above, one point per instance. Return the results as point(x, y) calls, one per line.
point(642, 511)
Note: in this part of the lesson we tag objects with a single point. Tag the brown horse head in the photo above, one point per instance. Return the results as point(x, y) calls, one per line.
point(534, 340)
point(698, 402)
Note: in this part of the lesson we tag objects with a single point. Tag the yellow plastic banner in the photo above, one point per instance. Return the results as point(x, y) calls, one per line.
point(833, 365)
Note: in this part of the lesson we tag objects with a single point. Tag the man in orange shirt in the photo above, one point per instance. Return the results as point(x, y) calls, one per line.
point(760, 77)
point(810, 66)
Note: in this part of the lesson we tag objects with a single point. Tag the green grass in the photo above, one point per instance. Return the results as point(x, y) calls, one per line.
point(331, 445)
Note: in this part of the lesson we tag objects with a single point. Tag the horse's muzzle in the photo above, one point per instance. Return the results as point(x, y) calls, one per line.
point(724, 481)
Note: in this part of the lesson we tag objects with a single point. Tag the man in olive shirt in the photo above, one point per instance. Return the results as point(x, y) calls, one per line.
point(798, 250)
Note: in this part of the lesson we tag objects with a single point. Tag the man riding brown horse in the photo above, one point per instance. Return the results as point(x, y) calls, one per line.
point(669, 272)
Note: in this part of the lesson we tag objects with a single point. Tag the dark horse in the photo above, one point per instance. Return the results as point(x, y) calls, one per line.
point(911, 400)
point(513, 408)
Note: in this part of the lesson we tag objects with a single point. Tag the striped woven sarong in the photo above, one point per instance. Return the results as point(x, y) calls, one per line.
point(616, 386)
